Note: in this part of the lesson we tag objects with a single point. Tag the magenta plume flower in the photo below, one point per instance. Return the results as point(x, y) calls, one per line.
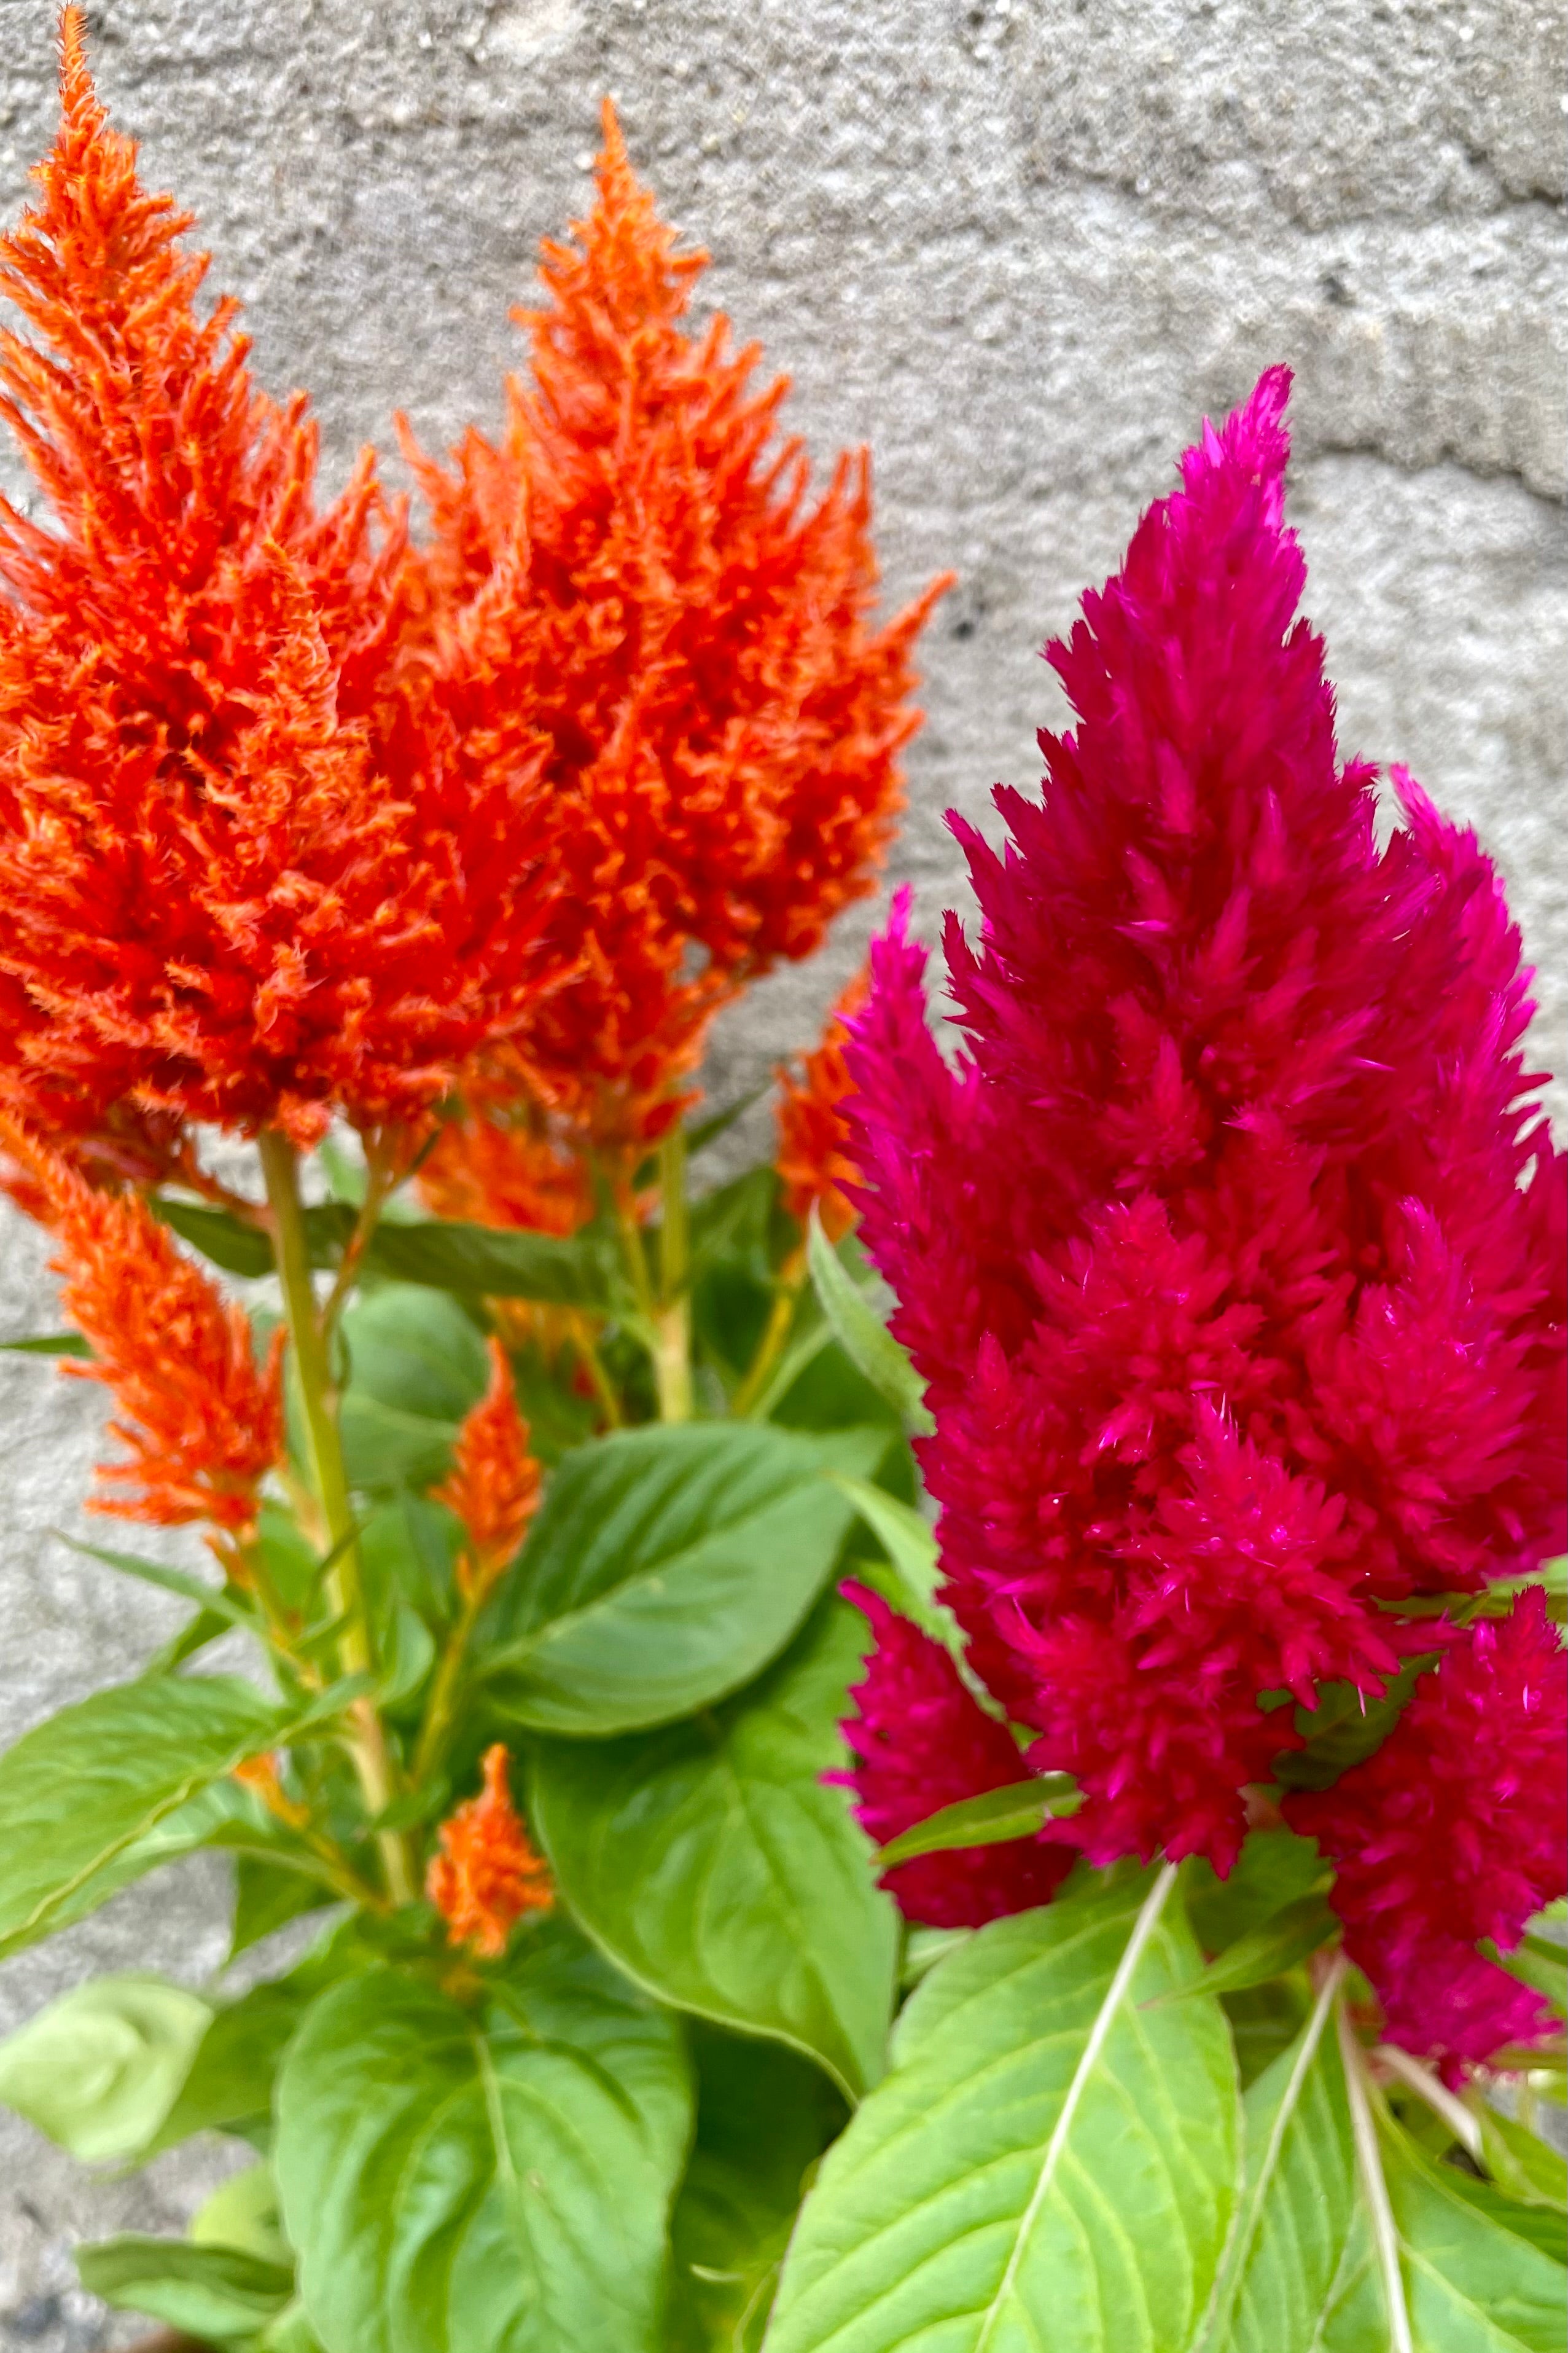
point(1455, 1830)
point(922, 1742)
point(1231, 1248)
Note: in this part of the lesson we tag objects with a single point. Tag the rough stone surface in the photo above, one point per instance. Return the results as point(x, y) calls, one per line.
point(1018, 248)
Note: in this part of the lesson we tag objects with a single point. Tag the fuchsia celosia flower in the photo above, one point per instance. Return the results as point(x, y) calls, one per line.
point(1231, 1249)
point(924, 1742)
point(1454, 1830)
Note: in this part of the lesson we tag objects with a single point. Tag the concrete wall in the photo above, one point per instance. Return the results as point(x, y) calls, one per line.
point(1019, 247)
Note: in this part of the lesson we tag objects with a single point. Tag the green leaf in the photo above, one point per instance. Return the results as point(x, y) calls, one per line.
point(1298, 2204)
point(98, 2069)
point(242, 2212)
point(417, 1365)
point(1346, 1727)
point(667, 1567)
point(460, 2180)
point(482, 1261)
point(1302, 1929)
point(1050, 2161)
point(82, 1795)
point(219, 2295)
point(861, 1334)
point(714, 1867)
point(227, 1240)
point(1274, 1869)
point(738, 2202)
point(1539, 1962)
point(1469, 2281)
point(1019, 1811)
point(212, 1598)
point(228, 2085)
point(1523, 2166)
point(910, 1543)
point(267, 1897)
point(48, 1344)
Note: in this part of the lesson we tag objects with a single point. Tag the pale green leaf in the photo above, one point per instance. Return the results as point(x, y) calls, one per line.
point(98, 2069)
point(1281, 1944)
point(1050, 2162)
point(219, 2295)
point(1019, 1811)
point(714, 1866)
point(667, 1567)
point(483, 2179)
point(861, 1334)
point(84, 1796)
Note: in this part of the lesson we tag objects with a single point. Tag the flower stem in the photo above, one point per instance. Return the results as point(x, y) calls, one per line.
point(775, 1333)
point(356, 1651)
point(672, 1317)
point(443, 1691)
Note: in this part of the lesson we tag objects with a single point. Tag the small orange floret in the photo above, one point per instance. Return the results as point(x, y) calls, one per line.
point(718, 718)
point(813, 1163)
point(203, 1420)
point(493, 1485)
point(487, 1874)
point(260, 1775)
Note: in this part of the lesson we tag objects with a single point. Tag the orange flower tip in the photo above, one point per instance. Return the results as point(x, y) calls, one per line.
point(814, 1162)
point(487, 1875)
point(261, 1775)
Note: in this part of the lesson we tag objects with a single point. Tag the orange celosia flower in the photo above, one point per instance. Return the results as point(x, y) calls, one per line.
point(487, 1874)
point(504, 1175)
point(241, 877)
point(493, 1484)
point(203, 1420)
point(813, 1161)
point(720, 722)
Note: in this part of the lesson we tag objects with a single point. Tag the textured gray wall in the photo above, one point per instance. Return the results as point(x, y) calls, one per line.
point(1019, 247)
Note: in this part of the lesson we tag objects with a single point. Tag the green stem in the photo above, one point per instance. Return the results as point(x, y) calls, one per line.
point(672, 1317)
point(345, 1585)
point(587, 1348)
point(444, 1693)
point(771, 1347)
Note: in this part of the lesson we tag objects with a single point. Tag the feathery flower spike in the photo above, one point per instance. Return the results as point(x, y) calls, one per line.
point(1231, 1249)
point(1455, 1830)
point(493, 1484)
point(202, 1420)
point(638, 566)
point(813, 1161)
point(487, 1874)
point(239, 879)
point(922, 1742)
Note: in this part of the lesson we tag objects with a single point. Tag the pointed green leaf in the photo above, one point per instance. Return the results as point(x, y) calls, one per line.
point(83, 1797)
point(1281, 1944)
point(1297, 2204)
point(483, 2180)
point(1050, 2162)
point(48, 1344)
point(667, 1567)
point(910, 1542)
point(212, 1598)
point(1018, 1812)
point(219, 2295)
point(861, 1332)
point(715, 1868)
point(98, 2069)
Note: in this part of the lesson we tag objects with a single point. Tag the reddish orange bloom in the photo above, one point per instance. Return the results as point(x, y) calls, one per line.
point(814, 1162)
point(242, 877)
point(719, 721)
point(203, 1421)
point(504, 1175)
point(487, 1874)
point(493, 1484)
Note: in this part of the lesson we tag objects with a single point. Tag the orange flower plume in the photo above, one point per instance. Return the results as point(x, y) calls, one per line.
point(487, 1874)
point(244, 876)
point(493, 1485)
point(495, 1175)
point(717, 720)
point(814, 1162)
point(204, 1423)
